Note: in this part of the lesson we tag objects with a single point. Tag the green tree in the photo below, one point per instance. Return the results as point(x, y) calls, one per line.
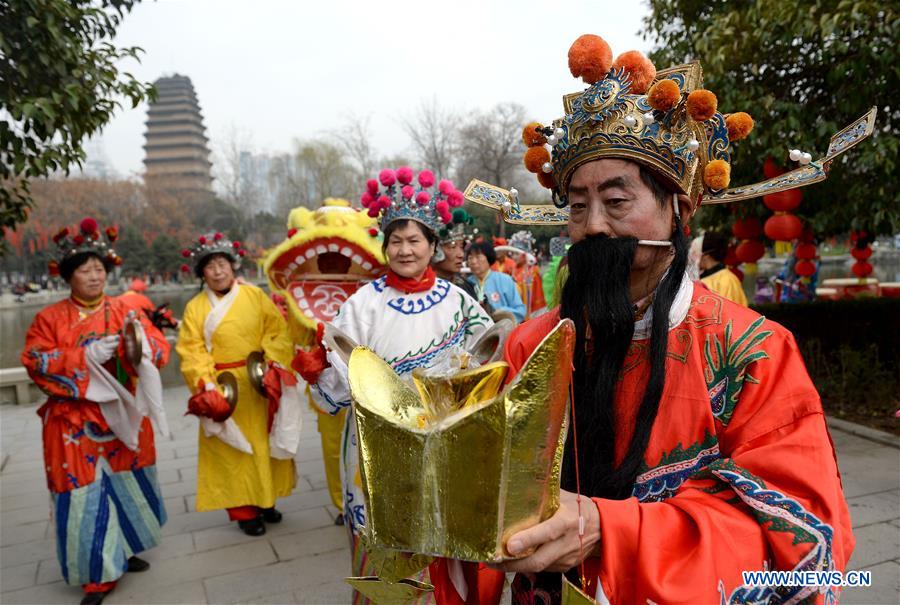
point(59, 84)
point(133, 249)
point(165, 254)
point(803, 70)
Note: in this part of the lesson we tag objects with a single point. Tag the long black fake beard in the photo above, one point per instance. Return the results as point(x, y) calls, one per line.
point(597, 297)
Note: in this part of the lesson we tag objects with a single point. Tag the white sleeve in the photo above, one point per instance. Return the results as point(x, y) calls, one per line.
point(478, 321)
point(331, 393)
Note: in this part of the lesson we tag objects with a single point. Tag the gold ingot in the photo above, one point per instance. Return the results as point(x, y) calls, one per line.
point(381, 592)
point(454, 467)
point(572, 595)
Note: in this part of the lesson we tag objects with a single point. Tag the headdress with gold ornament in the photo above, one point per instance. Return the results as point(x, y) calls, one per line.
point(520, 242)
point(664, 120)
point(399, 194)
point(87, 239)
point(209, 244)
point(523, 240)
point(455, 230)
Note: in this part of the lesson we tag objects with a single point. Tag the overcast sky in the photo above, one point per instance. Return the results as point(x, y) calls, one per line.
point(276, 71)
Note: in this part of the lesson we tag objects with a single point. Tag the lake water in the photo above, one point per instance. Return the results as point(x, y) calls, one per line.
point(15, 319)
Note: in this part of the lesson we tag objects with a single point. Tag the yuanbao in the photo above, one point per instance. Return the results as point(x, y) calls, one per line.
point(457, 444)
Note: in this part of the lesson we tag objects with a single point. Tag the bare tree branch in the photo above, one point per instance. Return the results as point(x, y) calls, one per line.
point(432, 129)
point(355, 139)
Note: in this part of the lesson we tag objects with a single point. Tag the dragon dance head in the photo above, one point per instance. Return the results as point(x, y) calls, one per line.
point(329, 253)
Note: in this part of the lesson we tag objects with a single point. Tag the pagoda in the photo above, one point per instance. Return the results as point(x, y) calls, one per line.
point(177, 155)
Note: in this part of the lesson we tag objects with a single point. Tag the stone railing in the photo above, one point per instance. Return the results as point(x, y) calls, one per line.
point(16, 387)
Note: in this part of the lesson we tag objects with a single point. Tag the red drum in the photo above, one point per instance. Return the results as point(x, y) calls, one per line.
point(854, 287)
point(827, 294)
point(890, 289)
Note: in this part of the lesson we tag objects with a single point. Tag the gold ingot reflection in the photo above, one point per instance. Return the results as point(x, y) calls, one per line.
point(454, 467)
point(380, 592)
point(572, 595)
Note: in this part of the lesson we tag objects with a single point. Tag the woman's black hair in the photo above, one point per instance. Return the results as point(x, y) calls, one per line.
point(430, 235)
point(69, 265)
point(198, 270)
point(482, 248)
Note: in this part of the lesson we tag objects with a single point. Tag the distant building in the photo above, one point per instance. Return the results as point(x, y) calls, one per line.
point(269, 183)
point(97, 165)
point(177, 155)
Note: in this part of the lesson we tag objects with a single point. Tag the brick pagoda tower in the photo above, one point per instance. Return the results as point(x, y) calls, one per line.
point(177, 153)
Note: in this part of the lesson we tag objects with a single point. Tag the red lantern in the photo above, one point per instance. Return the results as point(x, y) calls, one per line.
point(783, 227)
point(805, 268)
point(750, 251)
point(731, 259)
point(771, 169)
point(861, 254)
point(747, 228)
point(862, 269)
point(783, 201)
point(805, 251)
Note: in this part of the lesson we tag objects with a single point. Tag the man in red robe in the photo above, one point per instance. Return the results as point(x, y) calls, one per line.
point(698, 448)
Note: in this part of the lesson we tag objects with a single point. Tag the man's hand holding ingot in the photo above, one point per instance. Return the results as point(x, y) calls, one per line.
point(556, 541)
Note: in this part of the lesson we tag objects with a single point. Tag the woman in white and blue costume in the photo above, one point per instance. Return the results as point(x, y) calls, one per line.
point(409, 317)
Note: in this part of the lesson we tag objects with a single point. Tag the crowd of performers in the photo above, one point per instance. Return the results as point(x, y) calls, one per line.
point(698, 447)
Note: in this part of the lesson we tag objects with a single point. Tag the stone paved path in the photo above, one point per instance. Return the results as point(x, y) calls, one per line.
point(205, 559)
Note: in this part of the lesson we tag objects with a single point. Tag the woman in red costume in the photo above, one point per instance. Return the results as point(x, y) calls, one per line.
point(99, 450)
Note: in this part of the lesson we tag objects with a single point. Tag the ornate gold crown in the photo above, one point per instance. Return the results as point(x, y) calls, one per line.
point(454, 467)
point(663, 120)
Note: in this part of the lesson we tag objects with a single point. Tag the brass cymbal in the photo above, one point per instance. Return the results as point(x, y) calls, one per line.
point(338, 342)
point(489, 347)
point(229, 386)
point(134, 345)
point(256, 370)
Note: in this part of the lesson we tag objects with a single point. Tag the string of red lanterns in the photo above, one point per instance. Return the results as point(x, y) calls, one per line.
point(861, 250)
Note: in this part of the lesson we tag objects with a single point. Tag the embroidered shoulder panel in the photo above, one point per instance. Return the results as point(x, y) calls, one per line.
point(464, 320)
point(674, 468)
point(727, 363)
point(777, 512)
point(414, 306)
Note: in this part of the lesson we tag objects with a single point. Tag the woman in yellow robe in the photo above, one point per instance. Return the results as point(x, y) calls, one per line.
point(222, 325)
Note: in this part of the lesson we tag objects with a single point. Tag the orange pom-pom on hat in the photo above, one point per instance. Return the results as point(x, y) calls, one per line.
point(717, 174)
point(546, 180)
point(639, 68)
point(530, 135)
point(535, 157)
point(590, 58)
point(739, 125)
point(702, 104)
point(663, 95)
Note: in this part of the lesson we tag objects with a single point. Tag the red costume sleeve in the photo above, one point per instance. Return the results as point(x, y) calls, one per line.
point(772, 500)
point(160, 349)
point(58, 371)
point(538, 301)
